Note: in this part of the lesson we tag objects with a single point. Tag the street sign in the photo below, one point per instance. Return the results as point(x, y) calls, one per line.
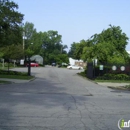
point(101, 67)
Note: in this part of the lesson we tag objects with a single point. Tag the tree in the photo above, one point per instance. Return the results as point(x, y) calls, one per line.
point(47, 44)
point(115, 36)
point(109, 43)
point(63, 47)
point(52, 46)
point(77, 50)
point(10, 23)
point(29, 34)
point(72, 50)
point(12, 52)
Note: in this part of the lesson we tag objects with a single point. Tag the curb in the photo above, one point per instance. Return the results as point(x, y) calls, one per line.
point(119, 88)
point(11, 82)
point(32, 79)
point(112, 87)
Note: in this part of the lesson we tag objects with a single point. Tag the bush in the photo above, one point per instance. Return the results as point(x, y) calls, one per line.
point(121, 77)
point(114, 77)
point(6, 64)
point(4, 72)
point(82, 74)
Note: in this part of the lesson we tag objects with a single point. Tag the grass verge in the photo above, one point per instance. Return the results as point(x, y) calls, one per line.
point(127, 87)
point(4, 82)
point(17, 77)
point(82, 74)
point(112, 81)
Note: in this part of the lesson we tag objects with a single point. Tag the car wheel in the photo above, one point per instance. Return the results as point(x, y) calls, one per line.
point(70, 67)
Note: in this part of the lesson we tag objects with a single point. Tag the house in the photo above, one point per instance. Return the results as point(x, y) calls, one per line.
point(37, 58)
point(77, 62)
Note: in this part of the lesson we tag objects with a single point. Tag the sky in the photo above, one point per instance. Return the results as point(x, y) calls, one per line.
point(76, 19)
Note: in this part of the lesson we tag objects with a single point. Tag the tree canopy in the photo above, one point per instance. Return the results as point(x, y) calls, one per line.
point(108, 45)
point(10, 23)
point(47, 44)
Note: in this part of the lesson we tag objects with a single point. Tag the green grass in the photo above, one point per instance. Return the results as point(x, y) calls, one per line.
point(113, 81)
point(4, 82)
point(17, 77)
point(5, 68)
point(82, 74)
point(127, 87)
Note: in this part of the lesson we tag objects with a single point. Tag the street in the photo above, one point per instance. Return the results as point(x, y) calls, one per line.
point(59, 99)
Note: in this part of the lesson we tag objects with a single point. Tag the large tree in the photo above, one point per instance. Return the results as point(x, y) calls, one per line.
point(52, 48)
point(76, 49)
point(72, 50)
point(47, 44)
point(12, 52)
point(115, 37)
point(29, 39)
point(109, 43)
point(10, 23)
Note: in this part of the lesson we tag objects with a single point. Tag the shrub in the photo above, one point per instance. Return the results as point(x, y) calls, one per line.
point(4, 72)
point(121, 77)
point(114, 77)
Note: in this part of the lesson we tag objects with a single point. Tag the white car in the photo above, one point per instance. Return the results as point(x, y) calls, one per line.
point(74, 67)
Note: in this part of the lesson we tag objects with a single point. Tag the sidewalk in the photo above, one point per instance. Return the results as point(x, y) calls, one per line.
point(119, 86)
point(16, 80)
point(109, 84)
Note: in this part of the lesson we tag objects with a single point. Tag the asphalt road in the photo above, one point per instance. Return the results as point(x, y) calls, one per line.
point(59, 99)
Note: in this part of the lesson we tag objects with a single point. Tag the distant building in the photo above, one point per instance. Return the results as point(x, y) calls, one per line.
point(71, 61)
point(77, 62)
point(37, 58)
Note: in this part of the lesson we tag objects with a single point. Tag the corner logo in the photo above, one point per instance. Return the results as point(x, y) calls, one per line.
point(122, 124)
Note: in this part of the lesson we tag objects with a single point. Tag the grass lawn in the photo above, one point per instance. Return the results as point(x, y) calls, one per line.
point(17, 77)
point(14, 74)
point(20, 77)
point(4, 82)
point(112, 81)
point(5, 68)
point(82, 74)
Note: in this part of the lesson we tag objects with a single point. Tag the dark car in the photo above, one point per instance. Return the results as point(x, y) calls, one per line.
point(53, 64)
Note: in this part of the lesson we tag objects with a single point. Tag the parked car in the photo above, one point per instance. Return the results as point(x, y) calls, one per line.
point(33, 64)
point(74, 67)
point(53, 64)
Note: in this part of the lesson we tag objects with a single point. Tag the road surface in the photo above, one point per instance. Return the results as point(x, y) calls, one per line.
point(59, 99)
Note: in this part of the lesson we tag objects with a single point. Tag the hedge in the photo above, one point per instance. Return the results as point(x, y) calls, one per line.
point(114, 77)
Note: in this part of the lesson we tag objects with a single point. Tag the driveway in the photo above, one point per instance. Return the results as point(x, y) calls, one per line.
point(59, 99)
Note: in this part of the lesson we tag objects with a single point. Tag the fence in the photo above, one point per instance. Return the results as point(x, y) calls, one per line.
point(94, 71)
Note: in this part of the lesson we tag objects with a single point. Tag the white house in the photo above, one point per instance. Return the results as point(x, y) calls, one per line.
point(71, 61)
point(77, 62)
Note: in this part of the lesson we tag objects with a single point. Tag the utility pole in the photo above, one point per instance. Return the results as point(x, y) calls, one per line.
point(23, 40)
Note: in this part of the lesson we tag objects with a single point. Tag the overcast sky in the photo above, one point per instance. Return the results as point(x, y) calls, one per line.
point(76, 19)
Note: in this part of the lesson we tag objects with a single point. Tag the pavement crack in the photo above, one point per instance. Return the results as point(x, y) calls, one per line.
point(79, 112)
